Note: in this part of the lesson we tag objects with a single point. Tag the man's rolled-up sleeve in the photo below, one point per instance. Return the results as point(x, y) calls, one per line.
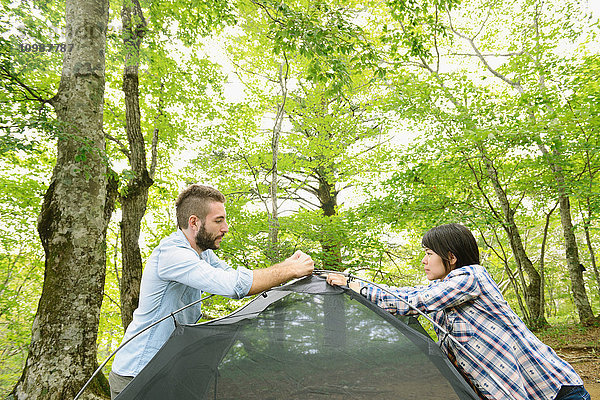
point(210, 275)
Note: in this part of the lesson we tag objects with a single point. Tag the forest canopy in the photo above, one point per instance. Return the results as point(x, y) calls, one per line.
point(345, 129)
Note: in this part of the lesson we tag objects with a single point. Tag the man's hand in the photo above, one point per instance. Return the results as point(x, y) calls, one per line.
point(299, 263)
point(296, 266)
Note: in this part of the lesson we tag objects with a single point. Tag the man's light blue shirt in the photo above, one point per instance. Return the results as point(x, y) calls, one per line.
point(175, 275)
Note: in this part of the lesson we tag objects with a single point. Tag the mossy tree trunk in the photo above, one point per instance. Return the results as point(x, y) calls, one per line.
point(73, 221)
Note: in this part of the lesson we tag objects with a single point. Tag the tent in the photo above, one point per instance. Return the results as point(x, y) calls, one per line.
point(303, 340)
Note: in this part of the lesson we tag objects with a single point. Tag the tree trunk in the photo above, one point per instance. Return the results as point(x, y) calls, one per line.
point(542, 255)
point(333, 306)
point(532, 291)
point(577, 285)
point(512, 279)
point(330, 242)
point(134, 196)
point(73, 221)
point(587, 222)
point(273, 250)
point(588, 240)
point(515, 285)
point(580, 298)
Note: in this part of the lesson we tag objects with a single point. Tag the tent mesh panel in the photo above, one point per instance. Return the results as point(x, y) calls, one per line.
point(302, 346)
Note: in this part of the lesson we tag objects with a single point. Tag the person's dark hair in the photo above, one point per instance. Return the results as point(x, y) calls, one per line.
point(195, 200)
point(452, 239)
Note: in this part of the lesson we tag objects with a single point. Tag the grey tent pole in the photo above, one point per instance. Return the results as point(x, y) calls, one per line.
point(134, 336)
point(446, 333)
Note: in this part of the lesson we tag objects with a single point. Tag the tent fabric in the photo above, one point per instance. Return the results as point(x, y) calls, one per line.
point(304, 340)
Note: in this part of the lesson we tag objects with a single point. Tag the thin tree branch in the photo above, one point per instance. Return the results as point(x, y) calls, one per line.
point(7, 74)
point(119, 144)
point(478, 54)
point(154, 149)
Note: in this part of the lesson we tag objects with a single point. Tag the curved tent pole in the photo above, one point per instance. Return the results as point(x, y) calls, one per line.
point(171, 315)
point(441, 328)
point(315, 272)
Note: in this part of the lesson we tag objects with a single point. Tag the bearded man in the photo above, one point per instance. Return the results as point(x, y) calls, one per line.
point(183, 266)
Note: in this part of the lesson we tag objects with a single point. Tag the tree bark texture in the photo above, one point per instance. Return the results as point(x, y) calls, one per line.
point(580, 298)
point(532, 290)
point(134, 196)
point(73, 221)
point(330, 241)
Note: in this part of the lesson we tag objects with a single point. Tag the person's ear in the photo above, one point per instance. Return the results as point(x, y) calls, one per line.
point(193, 221)
point(452, 260)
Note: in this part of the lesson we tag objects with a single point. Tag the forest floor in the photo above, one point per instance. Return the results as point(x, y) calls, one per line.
point(580, 347)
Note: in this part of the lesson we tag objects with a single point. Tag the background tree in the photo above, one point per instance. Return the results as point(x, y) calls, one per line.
point(533, 68)
point(146, 119)
point(299, 161)
point(73, 232)
point(27, 124)
point(134, 195)
point(475, 114)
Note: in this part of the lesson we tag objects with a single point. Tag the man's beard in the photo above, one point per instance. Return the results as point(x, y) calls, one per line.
point(205, 240)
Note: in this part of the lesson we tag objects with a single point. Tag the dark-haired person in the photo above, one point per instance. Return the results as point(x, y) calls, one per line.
point(183, 266)
point(465, 301)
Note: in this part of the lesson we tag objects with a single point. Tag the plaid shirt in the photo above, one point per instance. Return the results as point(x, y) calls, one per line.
point(470, 306)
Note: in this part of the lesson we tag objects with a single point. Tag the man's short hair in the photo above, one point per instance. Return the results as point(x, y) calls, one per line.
point(195, 200)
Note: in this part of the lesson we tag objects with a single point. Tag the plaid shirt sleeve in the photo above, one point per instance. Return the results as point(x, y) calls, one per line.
point(504, 360)
point(458, 287)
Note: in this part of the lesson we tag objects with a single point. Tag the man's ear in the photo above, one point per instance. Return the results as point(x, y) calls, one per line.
point(193, 221)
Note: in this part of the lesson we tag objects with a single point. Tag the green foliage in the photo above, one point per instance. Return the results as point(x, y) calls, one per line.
point(350, 78)
point(324, 35)
point(187, 20)
point(29, 67)
point(416, 27)
point(22, 176)
point(29, 71)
